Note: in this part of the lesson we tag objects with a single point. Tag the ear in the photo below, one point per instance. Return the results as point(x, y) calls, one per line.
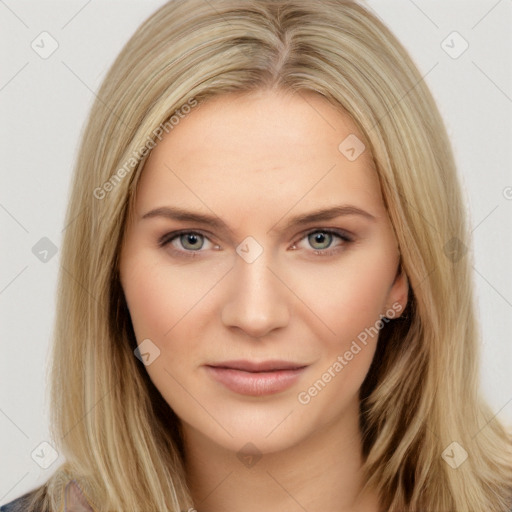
point(398, 295)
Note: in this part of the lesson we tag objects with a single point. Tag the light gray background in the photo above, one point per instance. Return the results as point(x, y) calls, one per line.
point(43, 105)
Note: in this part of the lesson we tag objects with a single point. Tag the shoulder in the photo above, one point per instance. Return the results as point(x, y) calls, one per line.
point(20, 504)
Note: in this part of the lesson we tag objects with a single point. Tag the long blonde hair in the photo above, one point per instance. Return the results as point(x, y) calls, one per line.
point(120, 438)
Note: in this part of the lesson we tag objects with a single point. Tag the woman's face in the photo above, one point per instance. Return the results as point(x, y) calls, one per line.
point(260, 241)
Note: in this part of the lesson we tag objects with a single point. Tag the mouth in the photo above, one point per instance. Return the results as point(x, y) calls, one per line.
point(256, 378)
point(255, 367)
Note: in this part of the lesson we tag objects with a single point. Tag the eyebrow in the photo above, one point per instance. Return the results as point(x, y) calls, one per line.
point(322, 214)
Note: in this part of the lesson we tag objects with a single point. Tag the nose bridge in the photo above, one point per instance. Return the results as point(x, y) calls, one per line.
point(257, 300)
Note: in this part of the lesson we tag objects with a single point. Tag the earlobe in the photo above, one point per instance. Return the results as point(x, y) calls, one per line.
point(398, 295)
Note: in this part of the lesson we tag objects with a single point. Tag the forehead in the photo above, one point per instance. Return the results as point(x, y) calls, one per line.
point(264, 150)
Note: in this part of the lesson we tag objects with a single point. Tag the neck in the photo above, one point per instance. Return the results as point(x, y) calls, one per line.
point(322, 472)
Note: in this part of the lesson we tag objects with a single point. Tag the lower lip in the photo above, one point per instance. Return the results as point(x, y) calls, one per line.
point(257, 383)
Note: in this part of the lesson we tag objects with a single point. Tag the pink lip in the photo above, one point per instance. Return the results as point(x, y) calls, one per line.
point(256, 379)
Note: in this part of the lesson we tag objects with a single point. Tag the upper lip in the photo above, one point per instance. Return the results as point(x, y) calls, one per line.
point(262, 366)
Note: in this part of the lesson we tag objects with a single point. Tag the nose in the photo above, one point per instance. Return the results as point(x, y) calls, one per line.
point(257, 301)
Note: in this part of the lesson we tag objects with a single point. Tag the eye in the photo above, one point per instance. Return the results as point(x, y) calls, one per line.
point(322, 240)
point(186, 243)
point(191, 241)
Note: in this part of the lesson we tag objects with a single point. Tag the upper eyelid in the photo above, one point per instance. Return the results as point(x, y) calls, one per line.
point(334, 231)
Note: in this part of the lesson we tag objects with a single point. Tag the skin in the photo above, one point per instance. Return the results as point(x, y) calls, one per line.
point(255, 161)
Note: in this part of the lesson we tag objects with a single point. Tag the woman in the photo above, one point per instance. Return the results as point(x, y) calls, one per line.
point(266, 301)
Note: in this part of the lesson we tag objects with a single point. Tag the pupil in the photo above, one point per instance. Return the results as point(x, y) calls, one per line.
point(191, 241)
point(322, 239)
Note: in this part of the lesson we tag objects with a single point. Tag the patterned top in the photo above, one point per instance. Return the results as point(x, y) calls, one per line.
point(74, 500)
point(20, 504)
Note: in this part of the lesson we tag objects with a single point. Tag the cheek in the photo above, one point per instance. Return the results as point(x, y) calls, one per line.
point(171, 307)
point(348, 299)
point(349, 296)
point(152, 308)
point(165, 300)
point(166, 308)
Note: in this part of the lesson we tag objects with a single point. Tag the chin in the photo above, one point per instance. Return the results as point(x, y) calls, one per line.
point(266, 428)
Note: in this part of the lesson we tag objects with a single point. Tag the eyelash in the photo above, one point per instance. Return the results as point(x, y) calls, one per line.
point(166, 239)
